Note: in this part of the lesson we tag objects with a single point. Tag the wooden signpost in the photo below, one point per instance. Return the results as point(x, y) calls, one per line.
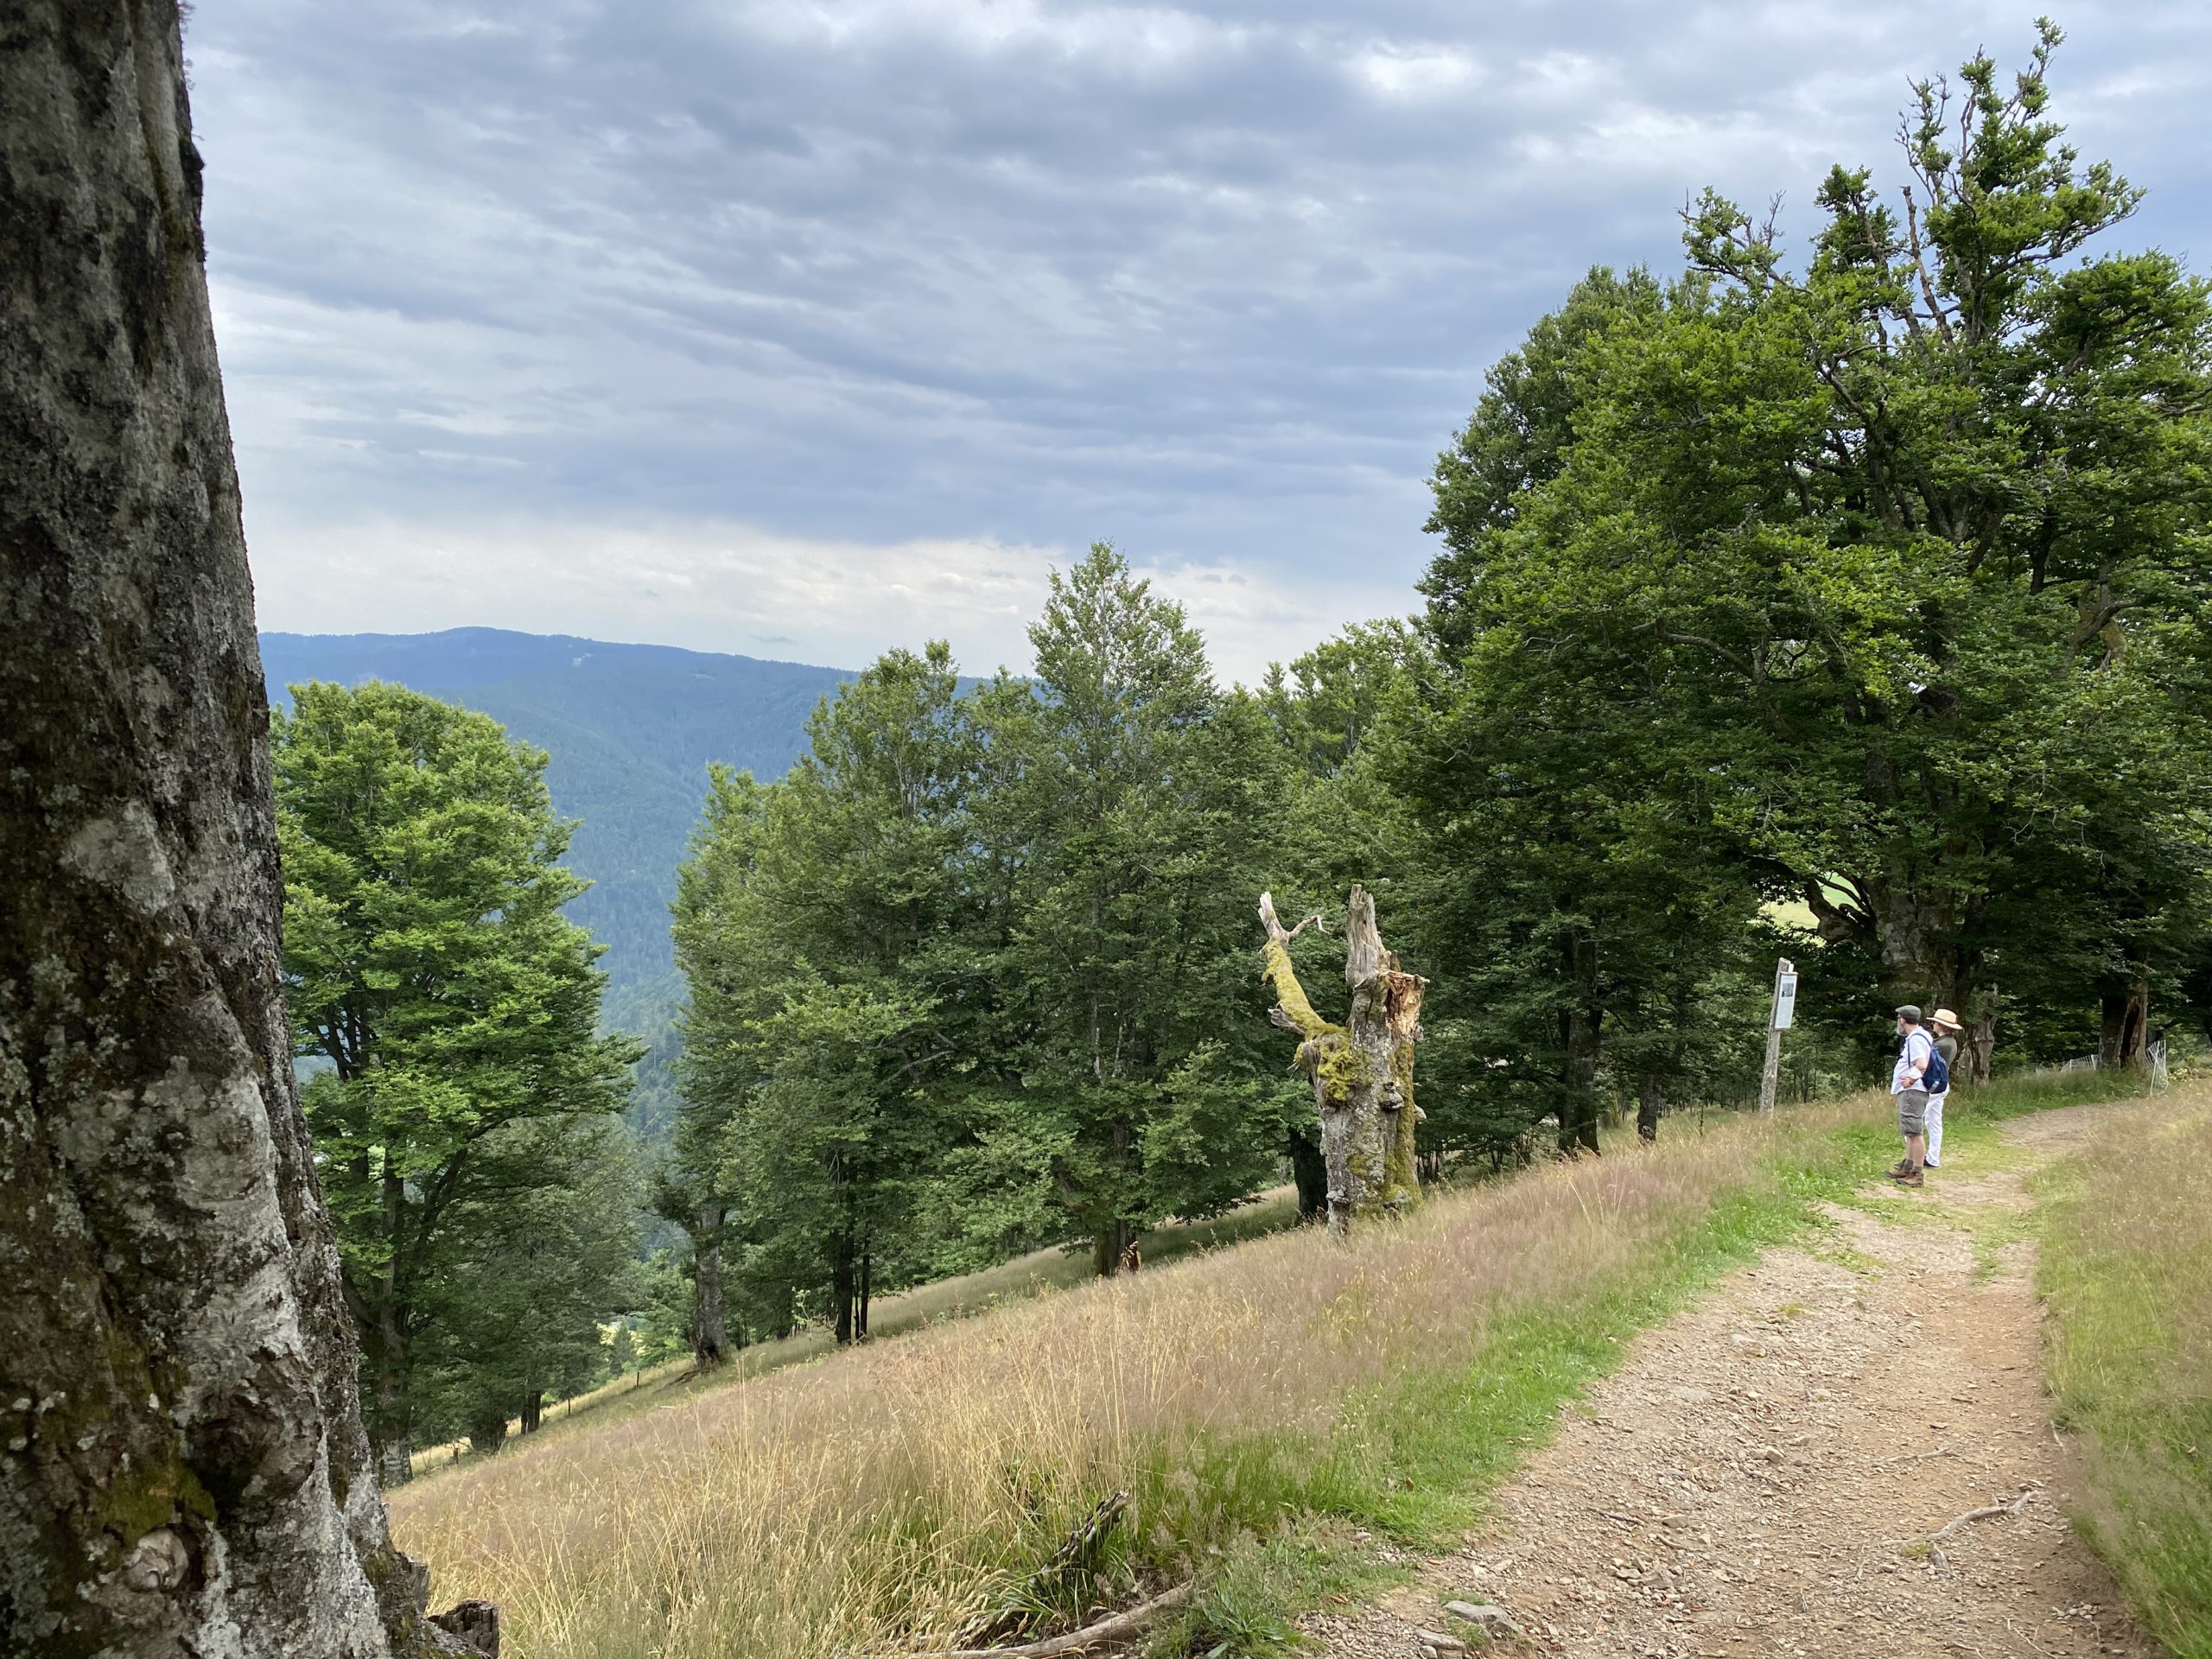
point(1780, 1017)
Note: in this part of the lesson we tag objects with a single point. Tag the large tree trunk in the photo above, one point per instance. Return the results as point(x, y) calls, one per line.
point(1919, 937)
point(1109, 1247)
point(184, 1468)
point(1362, 1072)
point(709, 1323)
point(390, 1405)
point(2123, 1025)
point(841, 1286)
point(1309, 1173)
point(1579, 1029)
point(1916, 932)
point(1977, 1042)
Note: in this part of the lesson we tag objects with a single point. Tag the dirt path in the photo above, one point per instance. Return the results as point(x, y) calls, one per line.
point(1763, 1476)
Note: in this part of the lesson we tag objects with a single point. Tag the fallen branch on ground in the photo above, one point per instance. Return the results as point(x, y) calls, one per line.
point(1988, 1512)
point(1913, 1457)
point(1115, 1628)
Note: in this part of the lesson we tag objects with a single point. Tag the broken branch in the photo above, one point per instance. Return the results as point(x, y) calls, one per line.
point(1988, 1512)
point(1091, 1635)
point(1276, 930)
point(1294, 1010)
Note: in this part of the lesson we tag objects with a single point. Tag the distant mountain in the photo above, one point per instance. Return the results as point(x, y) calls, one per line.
point(630, 730)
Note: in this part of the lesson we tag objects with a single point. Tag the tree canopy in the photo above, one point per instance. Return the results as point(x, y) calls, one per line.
point(447, 1007)
point(1870, 584)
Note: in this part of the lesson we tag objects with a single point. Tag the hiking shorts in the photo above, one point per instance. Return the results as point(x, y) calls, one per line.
point(1912, 1111)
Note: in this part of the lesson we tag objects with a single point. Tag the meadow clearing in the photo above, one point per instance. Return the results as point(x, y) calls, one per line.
point(2126, 1271)
point(887, 1497)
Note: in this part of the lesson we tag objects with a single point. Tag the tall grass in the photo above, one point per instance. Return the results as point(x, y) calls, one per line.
point(2127, 1271)
point(883, 1499)
point(960, 1296)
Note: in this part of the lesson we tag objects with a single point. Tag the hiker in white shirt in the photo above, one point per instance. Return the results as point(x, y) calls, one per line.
point(1914, 1053)
point(1945, 1024)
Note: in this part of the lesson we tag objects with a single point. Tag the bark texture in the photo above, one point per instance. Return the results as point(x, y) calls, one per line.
point(2124, 1024)
point(709, 1322)
point(389, 1408)
point(182, 1468)
point(1309, 1171)
point(1362, 1071)
point(1977, 1042)
point(1921, 938)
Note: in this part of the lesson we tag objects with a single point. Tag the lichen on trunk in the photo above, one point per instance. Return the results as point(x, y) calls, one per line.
point(1362, 1071)
point(183, 1463)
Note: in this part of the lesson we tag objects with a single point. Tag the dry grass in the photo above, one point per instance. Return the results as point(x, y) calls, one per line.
point(883, 1498)
point(960, 1297)
point(2126, 1267)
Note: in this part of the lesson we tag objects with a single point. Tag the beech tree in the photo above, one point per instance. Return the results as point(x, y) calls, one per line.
point(973, 977)
point(545, 1252)
point(826, 926)
point(183, 1466)
point(433, 974)
point(1131, 801)
point(1880, 568)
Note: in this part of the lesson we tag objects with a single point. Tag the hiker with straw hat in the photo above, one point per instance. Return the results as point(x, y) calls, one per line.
point(1946, 1028)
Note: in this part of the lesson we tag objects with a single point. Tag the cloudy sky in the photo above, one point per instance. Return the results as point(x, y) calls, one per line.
point(802, 329)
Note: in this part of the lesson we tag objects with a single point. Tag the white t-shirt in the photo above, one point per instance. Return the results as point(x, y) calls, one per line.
point(1918, 1047)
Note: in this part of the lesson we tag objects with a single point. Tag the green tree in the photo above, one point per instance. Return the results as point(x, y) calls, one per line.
point(435, 984)
point(543, 1249)
point(1516, 441)
point(826, 924)
point(1881, 573)
point(1133, 806)
point(1582, 909)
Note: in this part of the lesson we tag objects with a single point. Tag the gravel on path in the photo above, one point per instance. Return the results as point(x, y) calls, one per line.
point(1763, 1475)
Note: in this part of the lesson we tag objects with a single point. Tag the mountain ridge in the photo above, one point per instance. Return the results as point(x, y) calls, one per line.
point(629, 729)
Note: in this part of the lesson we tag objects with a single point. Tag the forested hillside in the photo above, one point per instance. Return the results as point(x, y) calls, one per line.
point(1848, 608)
point(1845, 600)
point(630, 730)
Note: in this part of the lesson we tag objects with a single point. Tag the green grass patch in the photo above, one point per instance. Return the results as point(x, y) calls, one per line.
point(1435, 1448)
point(2125, 1269)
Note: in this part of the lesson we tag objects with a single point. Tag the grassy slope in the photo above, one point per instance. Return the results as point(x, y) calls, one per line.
point(2125, 1269)
point(1036, 1273)
point(1260, 1404)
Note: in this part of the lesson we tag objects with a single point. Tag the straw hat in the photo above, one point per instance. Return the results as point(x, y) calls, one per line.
point(1946, 1018)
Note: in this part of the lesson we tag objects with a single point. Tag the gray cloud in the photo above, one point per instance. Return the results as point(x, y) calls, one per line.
point(987, 277)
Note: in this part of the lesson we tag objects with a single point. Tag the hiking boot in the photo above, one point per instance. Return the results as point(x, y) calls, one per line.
point(1900, 1169)
point(1909, 1177)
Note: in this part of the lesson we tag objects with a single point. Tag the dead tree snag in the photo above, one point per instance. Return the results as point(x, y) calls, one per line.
point(1362, 1071)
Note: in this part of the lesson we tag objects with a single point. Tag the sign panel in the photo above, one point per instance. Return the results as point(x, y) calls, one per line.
point(1785, 1000)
